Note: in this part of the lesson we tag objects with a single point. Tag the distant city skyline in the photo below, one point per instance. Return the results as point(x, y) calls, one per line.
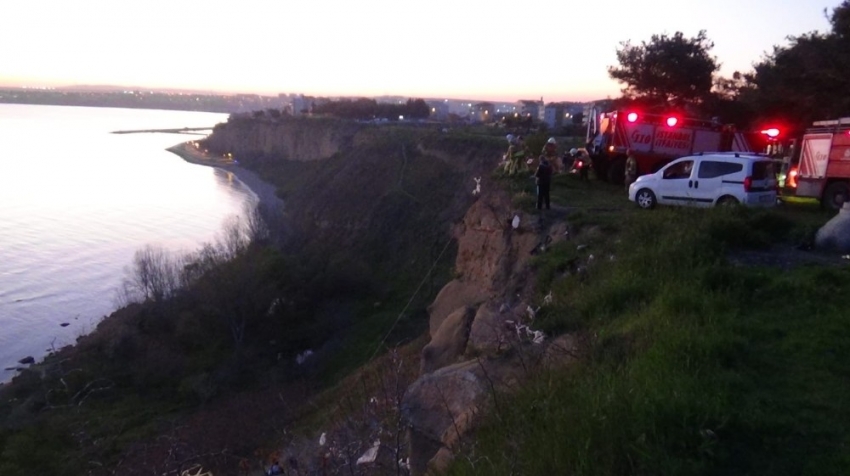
point(472, 50)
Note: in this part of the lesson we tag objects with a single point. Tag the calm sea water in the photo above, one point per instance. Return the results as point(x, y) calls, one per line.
point(76, 202)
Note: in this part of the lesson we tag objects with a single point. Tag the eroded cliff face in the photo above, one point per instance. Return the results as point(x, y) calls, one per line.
point(371, 197)
point(482, 328)
point(379, 193)
point(298, 139)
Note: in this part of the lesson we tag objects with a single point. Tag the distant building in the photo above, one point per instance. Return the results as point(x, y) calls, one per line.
point(507, 108)
point(533, 109)
point(553, 115)
point(482, 112)
point(439, 109)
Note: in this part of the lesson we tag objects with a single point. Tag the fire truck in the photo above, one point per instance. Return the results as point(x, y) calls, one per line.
point(657, 139)
point(823, 169)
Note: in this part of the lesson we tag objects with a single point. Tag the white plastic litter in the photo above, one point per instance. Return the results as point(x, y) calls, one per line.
point(547, 299)
point(323, 439)
point(477, 186)
point(538, 337)
point(303, 356)
point(371, 454)
point(532, 313)
point(515, 222)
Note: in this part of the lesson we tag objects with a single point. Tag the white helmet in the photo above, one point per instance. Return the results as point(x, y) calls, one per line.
point(551, 140)
point(573, 151)
point(510, 137)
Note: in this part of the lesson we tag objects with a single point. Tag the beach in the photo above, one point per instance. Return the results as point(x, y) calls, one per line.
point(265, 192)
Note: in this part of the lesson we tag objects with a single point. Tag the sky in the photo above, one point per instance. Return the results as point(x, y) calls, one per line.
point(466, 49)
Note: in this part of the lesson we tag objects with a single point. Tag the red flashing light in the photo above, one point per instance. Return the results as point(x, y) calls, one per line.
point(632, 117)
point(672, 121)
point(748, 183)
point(773, 132)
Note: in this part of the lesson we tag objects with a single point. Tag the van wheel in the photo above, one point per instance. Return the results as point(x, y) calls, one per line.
point(835, 195)
point(646, 199)
point(727, 201)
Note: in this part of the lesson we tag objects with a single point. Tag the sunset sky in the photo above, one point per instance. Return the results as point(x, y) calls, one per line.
point(555, 49)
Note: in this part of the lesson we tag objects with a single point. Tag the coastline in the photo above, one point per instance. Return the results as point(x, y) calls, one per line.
point(265, 192)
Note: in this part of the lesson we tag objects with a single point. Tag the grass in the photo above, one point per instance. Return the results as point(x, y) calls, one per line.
point(697, 366)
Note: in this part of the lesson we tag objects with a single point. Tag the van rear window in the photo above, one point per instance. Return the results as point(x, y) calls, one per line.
point(763, 170)
point(712, 168)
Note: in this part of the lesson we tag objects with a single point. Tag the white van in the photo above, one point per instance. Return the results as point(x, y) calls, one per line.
point(709, 179)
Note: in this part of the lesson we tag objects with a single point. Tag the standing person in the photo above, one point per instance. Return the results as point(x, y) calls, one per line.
point(543, 177)
point(508, 157)
point(550, 151)
point(515, 154)
point(631, 168)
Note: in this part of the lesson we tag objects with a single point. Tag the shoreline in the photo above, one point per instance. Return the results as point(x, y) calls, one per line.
point(265, 192)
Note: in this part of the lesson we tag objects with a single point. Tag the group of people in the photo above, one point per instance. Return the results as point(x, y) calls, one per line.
point(518, 153)
point(548, 164)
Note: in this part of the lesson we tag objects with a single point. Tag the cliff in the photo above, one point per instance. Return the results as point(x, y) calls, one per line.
point(286, 138)
point(371, 196)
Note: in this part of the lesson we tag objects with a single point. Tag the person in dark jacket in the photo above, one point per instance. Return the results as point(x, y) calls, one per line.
point(543, 177)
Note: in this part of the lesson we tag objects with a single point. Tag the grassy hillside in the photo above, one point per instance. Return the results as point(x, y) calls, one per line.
point(714, 347)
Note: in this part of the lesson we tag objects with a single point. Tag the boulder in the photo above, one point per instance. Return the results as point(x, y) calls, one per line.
point(561, 350)
point(835, 234)
point(454, 295)
point(440, 407)
point(449, 342)
point(490, 332)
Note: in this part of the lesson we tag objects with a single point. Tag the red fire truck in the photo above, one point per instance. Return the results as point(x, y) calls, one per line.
point(657, 139)
point(823, 170)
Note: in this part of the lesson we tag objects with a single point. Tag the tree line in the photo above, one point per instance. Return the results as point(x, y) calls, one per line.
point(802, 81)
point(368, 109)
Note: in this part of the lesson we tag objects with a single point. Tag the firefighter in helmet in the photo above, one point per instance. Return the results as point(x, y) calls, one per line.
point(514, 155)
point(550, 151)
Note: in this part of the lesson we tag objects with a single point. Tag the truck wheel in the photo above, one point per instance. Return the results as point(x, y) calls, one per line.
point(835, 195)
point(617, 172)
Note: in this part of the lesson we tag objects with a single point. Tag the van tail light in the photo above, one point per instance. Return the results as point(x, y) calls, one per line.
point(748, 184)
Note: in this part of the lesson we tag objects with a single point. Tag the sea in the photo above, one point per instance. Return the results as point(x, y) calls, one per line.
point(77, 202)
